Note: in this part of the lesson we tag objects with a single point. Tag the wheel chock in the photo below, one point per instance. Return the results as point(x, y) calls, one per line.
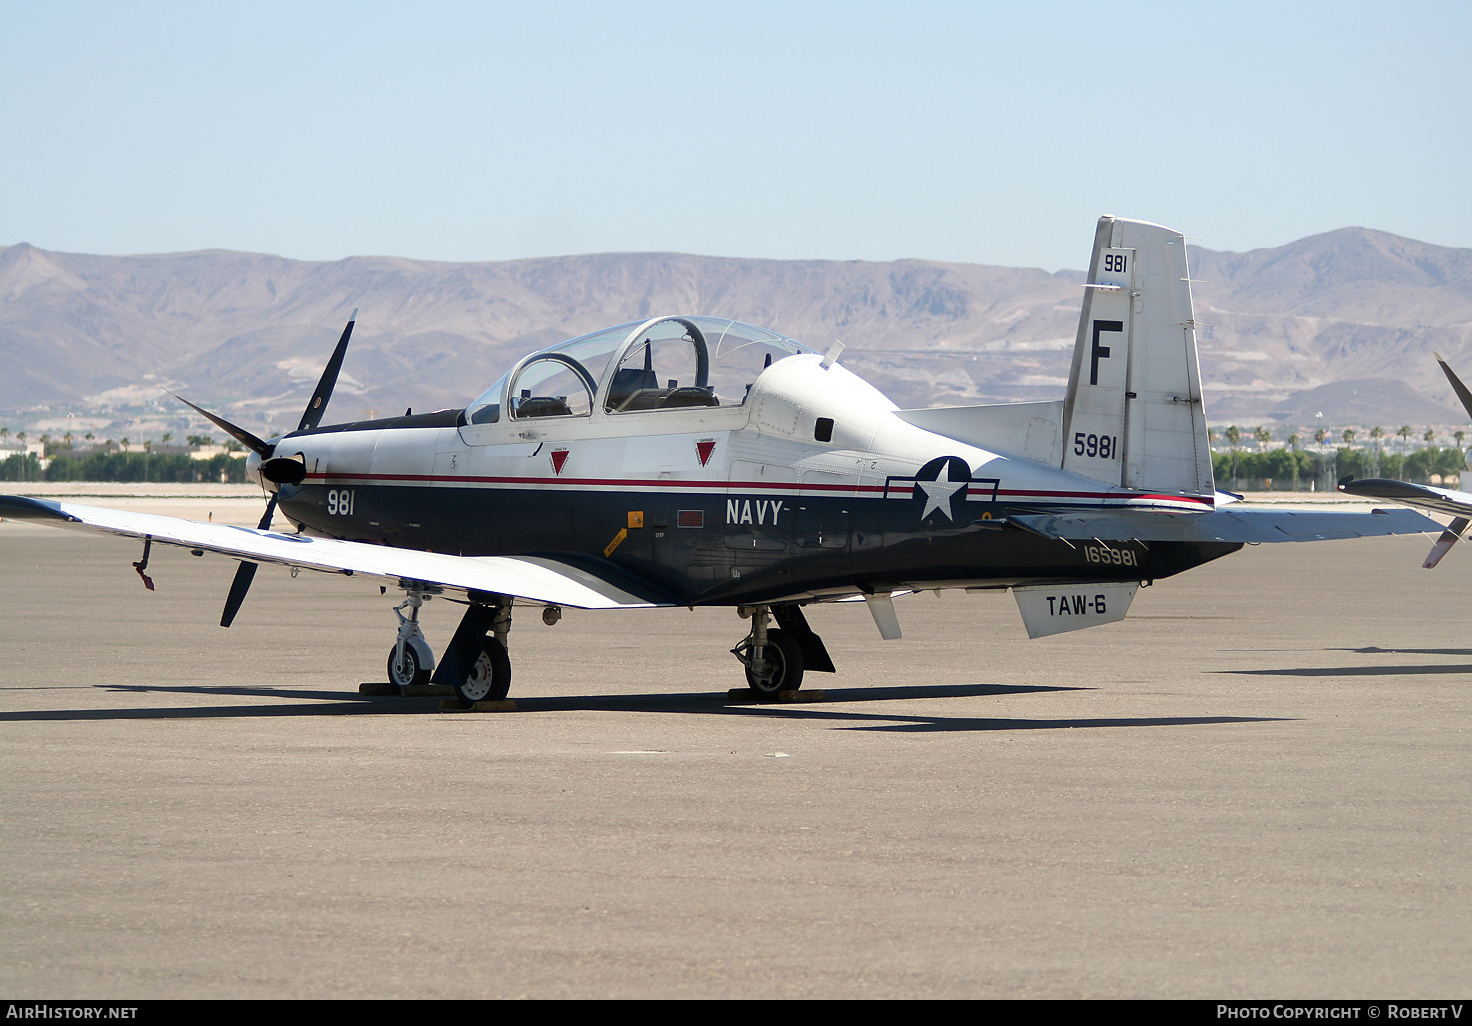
point(504, 705)
point(429, 690)
point(411, 691)
point(746, 695)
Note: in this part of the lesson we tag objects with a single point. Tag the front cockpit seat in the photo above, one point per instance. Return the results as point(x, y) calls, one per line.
point(628, 383)
point(543, 406)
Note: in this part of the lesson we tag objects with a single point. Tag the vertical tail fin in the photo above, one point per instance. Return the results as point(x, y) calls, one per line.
point(1133, 414)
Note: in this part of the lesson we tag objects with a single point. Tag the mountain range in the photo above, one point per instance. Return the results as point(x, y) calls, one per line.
point(1334, 330)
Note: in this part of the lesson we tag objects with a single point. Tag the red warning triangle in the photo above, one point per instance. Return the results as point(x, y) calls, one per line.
point(559, 457)
point(704, 448)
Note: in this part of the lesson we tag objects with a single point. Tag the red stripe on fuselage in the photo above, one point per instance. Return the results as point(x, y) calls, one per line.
point(764, 486)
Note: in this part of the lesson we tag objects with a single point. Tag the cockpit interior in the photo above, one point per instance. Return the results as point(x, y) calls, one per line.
point(666, 363)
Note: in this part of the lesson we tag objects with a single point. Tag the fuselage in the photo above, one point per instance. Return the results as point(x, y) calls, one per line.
point(813, 486)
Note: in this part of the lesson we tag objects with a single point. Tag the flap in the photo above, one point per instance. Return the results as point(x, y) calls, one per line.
point(1224, 525)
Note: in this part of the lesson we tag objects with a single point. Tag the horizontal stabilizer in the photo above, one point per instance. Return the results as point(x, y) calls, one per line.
point(1057, 608)
point(536, 578)
point(1226, 525)
point(1029, 430)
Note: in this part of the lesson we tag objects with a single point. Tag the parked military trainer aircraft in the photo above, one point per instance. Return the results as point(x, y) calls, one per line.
point(690, 460)
point(1457, 505)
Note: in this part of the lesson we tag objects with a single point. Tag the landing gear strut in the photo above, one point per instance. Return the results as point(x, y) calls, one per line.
point(773, 658)
point(410, 661)
point(476, 663)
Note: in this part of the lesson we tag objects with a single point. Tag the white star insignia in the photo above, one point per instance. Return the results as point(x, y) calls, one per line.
point(938, 494)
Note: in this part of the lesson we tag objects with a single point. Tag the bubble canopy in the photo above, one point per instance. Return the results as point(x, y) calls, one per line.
point(663, 363)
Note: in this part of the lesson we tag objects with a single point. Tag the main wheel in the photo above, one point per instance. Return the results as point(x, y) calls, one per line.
point(781, 668)
point(489, 679)
point(413, 668)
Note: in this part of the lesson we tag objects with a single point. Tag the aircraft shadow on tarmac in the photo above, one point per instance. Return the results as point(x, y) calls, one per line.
point(1358, 671)
point(1372, 671)
point(1377, 650)
point(335, 703)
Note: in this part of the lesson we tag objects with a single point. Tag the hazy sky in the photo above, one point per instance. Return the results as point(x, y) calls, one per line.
point(950, 131)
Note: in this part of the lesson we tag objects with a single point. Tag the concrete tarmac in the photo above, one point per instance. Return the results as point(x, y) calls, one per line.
point(1255, 786)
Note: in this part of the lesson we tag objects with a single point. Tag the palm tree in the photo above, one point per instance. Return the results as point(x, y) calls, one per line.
point(1376, 433)
point(1293, 451)
point(167, 435)
point(1234, 435)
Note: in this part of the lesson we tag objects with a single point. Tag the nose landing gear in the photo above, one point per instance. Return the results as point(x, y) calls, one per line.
point(410, 661)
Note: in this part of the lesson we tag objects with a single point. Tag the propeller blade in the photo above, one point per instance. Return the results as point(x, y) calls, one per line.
point(245, 573)
point(1446, 541)
point(265, 524)
point(240, 434)
point(1462, 391)
point(313, 414)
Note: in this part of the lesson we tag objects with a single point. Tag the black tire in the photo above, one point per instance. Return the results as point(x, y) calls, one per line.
point(489, 679)
point(410, 672)
point(783, 671)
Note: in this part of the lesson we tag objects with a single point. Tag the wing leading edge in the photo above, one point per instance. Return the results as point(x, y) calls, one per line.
point(535, 578)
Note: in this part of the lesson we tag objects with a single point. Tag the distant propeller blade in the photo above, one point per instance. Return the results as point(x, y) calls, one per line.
point(313, 414)
point(1462, 391)
point(245, 573)
point(1448, 538)
point(240, 434)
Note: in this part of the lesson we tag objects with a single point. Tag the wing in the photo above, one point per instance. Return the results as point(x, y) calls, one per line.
point(1455, 504)
point(545, 579)
point(1224, 525)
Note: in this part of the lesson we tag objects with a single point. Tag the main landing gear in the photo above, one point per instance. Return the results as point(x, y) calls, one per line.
point(777, 657)
point(489, 677)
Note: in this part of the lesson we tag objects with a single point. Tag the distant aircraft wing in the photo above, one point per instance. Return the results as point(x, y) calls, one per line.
point(1455, 504)
point(545, 579)
point(1223, 525)
point(1439, 500)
